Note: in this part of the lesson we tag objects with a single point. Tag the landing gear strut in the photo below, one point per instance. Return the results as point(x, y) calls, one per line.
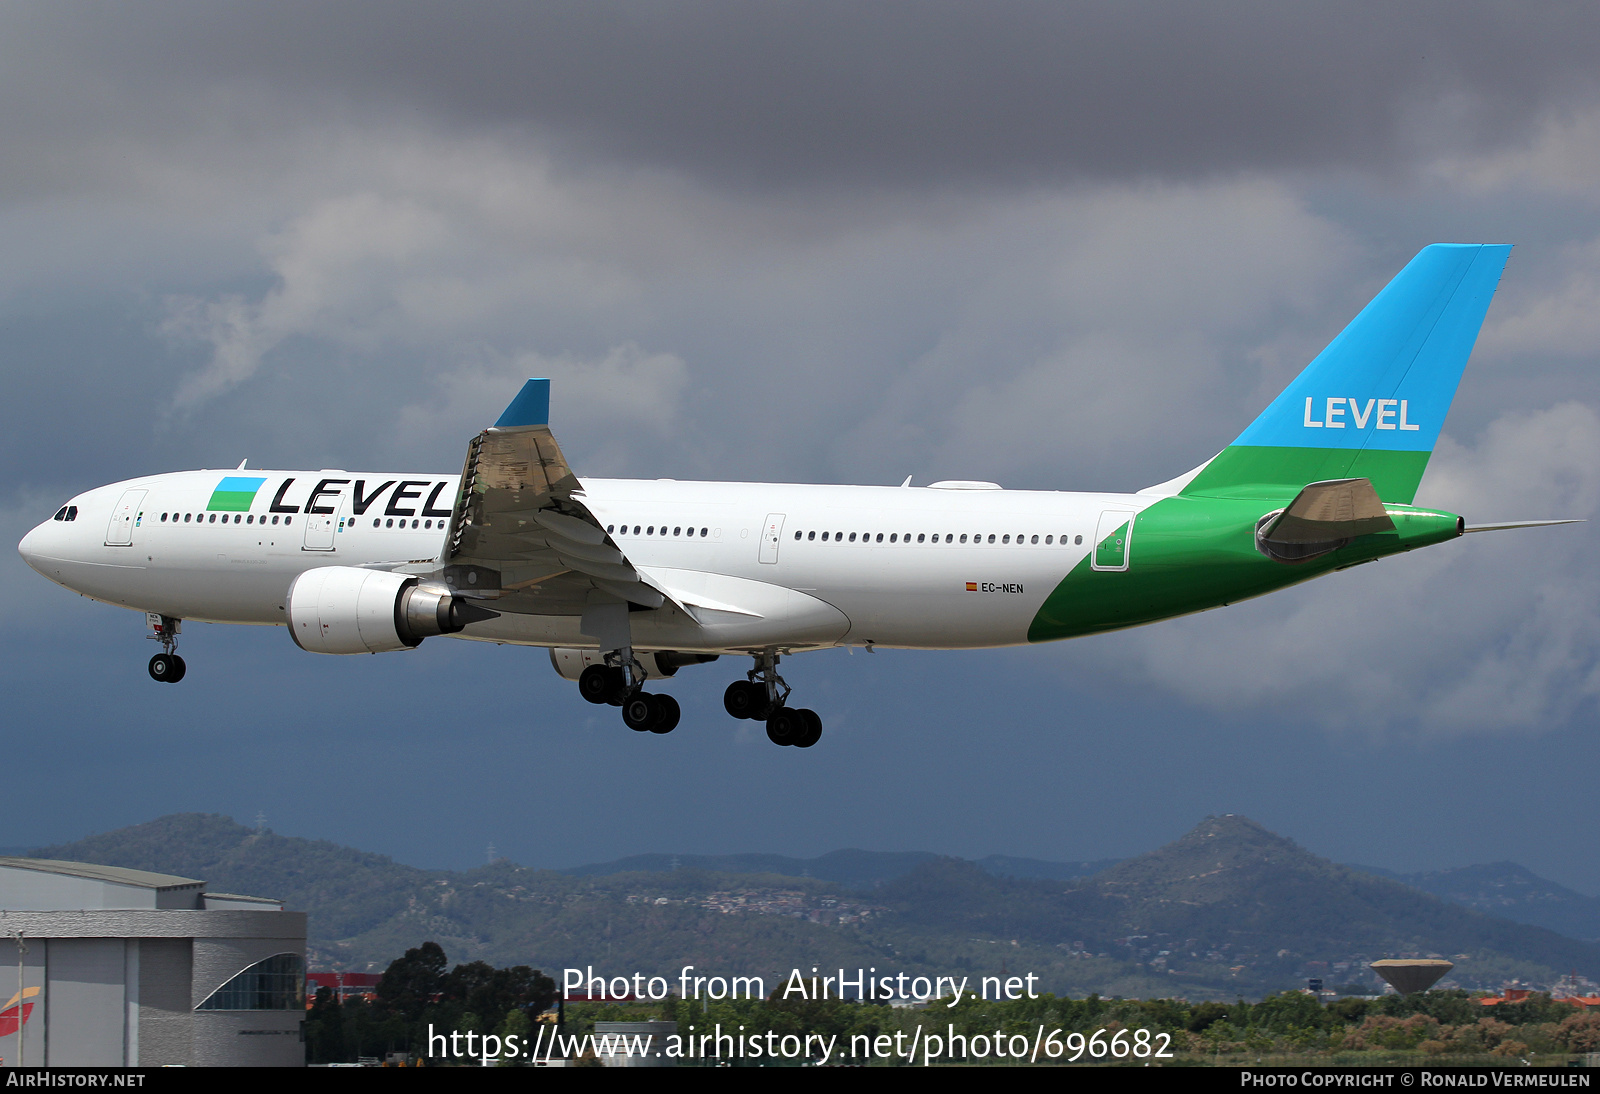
point(641, 710)
point(166, 666)
point(762, 696)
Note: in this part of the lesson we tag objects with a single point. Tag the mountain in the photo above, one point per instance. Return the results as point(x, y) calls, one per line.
point(1231, 900)
point(852, 868)
point(856, 869)
point(1228, 908)
point(1512, 892)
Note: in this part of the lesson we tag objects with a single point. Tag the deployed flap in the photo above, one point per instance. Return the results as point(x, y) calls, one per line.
point(1339, 509)
point(520, 531)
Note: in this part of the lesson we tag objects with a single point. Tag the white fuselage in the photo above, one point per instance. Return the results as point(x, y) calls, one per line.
point(917, 567)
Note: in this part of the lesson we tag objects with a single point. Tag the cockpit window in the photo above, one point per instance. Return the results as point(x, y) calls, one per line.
point(61, 514)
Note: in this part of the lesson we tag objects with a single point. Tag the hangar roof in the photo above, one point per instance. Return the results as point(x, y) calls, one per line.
point(143, 879)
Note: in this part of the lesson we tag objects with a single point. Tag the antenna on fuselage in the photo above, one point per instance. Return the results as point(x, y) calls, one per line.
point(242, 463)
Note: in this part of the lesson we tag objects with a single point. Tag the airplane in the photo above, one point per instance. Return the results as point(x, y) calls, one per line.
point(627, 581)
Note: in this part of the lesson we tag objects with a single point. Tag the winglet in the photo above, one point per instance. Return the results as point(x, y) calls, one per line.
point(530, 407)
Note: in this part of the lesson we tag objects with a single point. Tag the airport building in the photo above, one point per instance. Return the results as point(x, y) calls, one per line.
point(110, 967)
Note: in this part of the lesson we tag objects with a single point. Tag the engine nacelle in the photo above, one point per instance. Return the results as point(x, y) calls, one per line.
point(343, 609)
point(571, 663)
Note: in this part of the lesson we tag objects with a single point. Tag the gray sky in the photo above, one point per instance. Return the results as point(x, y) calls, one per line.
point(1058, 246)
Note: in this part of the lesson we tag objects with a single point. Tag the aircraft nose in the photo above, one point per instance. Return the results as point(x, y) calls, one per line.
point(32, 546)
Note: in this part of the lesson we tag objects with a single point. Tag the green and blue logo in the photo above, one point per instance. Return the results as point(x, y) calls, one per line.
point(234, 494)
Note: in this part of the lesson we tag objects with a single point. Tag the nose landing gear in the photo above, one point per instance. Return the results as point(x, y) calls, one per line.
point(762, 698)
point(166, 667)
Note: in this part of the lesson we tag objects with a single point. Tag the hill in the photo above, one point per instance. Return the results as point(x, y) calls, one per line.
point(1233, 902)
point(853, 868)
point(1512, 892)
point(1229, 908)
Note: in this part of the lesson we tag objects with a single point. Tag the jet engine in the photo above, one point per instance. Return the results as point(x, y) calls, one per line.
point(571, 663)
point(343, 609)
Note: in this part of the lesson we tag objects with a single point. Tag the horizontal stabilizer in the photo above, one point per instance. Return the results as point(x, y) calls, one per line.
point(1327, 511)
point(1503, 525)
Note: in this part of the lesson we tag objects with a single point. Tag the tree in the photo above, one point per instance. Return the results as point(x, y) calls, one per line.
point(412, 982)
point(493, 993)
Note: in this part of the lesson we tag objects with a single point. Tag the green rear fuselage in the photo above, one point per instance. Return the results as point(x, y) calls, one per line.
point(1192, 552)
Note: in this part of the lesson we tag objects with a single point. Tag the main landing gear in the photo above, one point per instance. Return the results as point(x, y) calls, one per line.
point(166, 666)
point(641, 710)
point(762, 696)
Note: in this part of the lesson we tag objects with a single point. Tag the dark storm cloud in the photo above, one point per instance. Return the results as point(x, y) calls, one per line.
point(851, 92)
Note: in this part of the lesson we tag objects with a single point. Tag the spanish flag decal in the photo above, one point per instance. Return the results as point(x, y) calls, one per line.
point(972, 586)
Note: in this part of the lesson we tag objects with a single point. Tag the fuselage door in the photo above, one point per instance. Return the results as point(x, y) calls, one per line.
point(321, 527)
point(124, 518)
point(1111, 540)
point(771, 533)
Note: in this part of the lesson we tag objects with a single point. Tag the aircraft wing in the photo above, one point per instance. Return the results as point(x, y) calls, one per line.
point(520, 533)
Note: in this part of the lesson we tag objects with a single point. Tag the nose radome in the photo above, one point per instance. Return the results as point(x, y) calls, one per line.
point(29, 548)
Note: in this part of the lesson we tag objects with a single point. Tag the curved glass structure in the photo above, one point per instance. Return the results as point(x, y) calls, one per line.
point(277, 983)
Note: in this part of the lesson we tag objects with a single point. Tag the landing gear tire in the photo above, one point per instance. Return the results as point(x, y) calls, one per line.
point(744, 699)
point(602, 684)
point(641, 711)
point(813, 729)
point(786, 727)
point(168, 668)
point(667, 720)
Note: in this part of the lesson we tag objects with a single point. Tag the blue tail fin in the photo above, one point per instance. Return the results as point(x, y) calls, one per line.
point(1372, 403)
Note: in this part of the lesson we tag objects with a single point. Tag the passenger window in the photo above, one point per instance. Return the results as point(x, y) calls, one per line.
point(813, 535)
point(1035, 539)
point(824, 537)
point(288, 521)
point(1077, 539)
point(991, 537)
point(610, 528)
point(852, 537)
point(1003, 539)
point(892, 538)
point(880, 537)
point(963, 537)
point(1049, 540)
